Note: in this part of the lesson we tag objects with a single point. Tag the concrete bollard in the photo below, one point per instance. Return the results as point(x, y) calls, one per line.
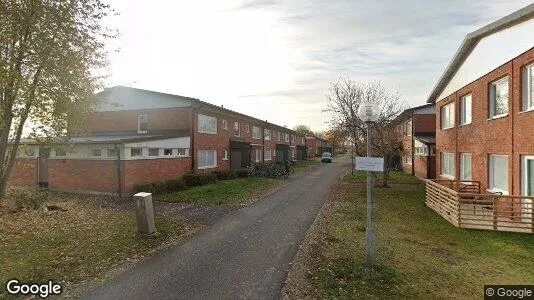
point(145, 213)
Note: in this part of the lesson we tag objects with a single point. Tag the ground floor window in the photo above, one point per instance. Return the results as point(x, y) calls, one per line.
point(448, 167)
point(409, 157)
point(527, 170)
point(267, 153)
point(225, 155)
point(498, 173)
point(207, 159)
point(255, 155)
point(465, 166)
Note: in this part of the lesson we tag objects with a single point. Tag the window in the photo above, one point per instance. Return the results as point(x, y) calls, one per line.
point(465, 166)
point(447, 116)
point(498, 173)
point(167, 152)
point(255, 155)
point(528, 88)
point(237, 132)
point(26, 151)
point(207, 159)
point(153, 151)
point(95, 152)
point(113, 152)
point(292, 150)
point(409, 128)
point(207, 124)
point(498, 98)
point(247, 128)
point(448, 167)
point(287, 137)
point(224, 124)
point(465, 109)
point(267, 153)
point(142, 124)
point(256, 132)
point(267, 134)
point(61, 152)
point(279, 135)
point(292, 139)
point(225, 155)
point(182, 151)
point(409, 157)
point(136, 152)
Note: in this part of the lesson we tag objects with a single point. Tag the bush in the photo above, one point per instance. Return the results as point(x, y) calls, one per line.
point(199, 179)
point(268, 170)
point(161, 187)
point(27, 197)
point(224, 174)
point(242, 173)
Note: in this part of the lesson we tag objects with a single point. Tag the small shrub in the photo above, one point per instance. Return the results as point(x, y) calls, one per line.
point(199, 179)
point(224, 174)
point(27, 197)
point(269, 170)
point(242, 173)
point(161, 187)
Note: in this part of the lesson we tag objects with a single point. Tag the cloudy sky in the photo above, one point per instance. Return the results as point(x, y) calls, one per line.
point(275, 60)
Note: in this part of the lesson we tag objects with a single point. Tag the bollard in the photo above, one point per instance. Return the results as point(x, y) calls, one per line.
point(145, 213)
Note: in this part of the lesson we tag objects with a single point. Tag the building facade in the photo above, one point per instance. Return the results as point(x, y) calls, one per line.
point(317, 146)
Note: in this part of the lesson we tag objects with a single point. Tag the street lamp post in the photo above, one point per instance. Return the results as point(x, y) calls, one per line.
point(368, 113)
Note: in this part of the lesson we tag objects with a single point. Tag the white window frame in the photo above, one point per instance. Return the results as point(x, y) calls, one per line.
point(224, 124)
point(279, 136)
point(286, 137)
point(95, 156)
point(493, 98)
point(152, 148)
point(110, 154)
point(205, 119)
point(528, 88)
point(186, 152)
point(446, 113)
point(237, 128)
point(247, 128)
point(526, 204)
point(452, 173)
point(409, 128)
point(491, 172)
point(267, 134)
point(139, 117)
point(225, 155)
point(56, 154)
point(256, 134)
point(409, 157)
point(267, 154)
point(206, 152)
point(131, 150)
point(257, 155)
point(466, 101)
point(463, 157)
point(167, 155)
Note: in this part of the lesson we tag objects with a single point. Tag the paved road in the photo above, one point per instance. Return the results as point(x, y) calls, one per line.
point(246, 254)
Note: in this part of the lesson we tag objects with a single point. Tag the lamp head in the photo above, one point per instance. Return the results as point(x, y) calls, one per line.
point(368, 112)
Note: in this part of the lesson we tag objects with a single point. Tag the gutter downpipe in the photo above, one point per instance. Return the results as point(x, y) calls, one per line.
point(119, 173)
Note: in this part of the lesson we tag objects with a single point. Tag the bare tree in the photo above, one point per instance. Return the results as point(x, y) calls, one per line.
point(345, 97)
point(304, 129)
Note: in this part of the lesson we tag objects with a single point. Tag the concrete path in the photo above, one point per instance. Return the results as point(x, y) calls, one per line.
point(246, 254)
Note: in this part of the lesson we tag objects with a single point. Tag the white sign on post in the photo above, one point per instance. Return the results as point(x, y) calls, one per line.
point(374, 164)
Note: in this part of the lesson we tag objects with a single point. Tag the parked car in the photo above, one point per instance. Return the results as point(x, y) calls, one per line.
point(327, 157)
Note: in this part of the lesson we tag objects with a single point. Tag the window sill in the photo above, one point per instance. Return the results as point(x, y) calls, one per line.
point(447, 176)
point(447, 128)
point(140, 132)
point(207, 167)
point(527, 111)
point(498, 117)
point(497, 191)
point(462, 125)
point(225, 159)
point(207, 132)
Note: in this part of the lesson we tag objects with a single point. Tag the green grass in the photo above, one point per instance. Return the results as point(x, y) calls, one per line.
point(419, 254)
point(395, 177)
point(74, 246)
point(306, 165)
point(226, 192)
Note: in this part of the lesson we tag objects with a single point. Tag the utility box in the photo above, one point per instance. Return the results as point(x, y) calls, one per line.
point(145, 213)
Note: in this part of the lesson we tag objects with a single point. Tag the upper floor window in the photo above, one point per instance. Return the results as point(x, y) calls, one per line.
point(207, 124)
point(256, 134)
point(465, 109)
point(136, 152)
point(408, 128)
point(61, 152)
point(267, 134)
point(224, 124)
point(292, 139)
point(287, 137)
point(498, 98)
point(112, 152)
point(153, 151)
point(279, 136)
point(142, 124)
point(528, 88)
point(247, 128)
point(95, 152)
point(237, 131)
point(447, 116)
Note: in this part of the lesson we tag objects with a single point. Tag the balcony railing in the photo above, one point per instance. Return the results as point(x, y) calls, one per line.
point(464, 205)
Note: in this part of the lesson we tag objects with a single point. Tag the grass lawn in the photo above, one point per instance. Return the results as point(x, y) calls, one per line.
point(75, 245)
point(395, 177)
point(419, 254)
point(303, 166)
point(226, 192)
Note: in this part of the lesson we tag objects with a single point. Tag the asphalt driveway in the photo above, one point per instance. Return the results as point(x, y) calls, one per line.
point(246, 254)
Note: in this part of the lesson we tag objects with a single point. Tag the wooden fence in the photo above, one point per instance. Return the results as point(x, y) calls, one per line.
point(463, 205)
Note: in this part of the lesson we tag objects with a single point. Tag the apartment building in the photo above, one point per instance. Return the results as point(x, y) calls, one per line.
point(138, 136)
point(316, 146)
point(417, 128)
point(485, 108)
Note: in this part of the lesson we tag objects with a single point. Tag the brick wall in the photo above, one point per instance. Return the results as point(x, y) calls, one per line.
point(510, 135)
point(158, 119)
point(24, 172)
point(424, 123)
point(150, 170)
point(77, 175)
point(420, 166)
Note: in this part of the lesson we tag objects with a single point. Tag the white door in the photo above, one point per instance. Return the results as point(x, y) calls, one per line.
point(528, 186)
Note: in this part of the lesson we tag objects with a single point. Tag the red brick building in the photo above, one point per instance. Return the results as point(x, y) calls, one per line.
point(417, 126)
point(139, 136)
point(485, 108)
point(316, 146)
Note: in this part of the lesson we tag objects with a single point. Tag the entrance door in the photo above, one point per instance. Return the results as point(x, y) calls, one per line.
point(235, 160)
point(44, 153)
point(528, 187)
